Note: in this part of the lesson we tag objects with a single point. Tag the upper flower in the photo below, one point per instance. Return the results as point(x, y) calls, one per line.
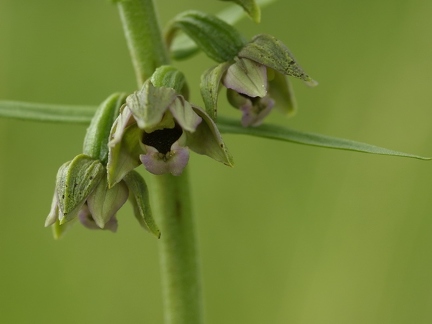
point(253, 72)
point(256, 80)
point(157, 126)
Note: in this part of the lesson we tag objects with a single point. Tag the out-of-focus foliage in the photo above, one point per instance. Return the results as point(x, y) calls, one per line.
point(314, 235)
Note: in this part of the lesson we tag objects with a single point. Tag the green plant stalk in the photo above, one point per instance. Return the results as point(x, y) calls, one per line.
point(170, 196)
point(181, 279)
point(143, 36)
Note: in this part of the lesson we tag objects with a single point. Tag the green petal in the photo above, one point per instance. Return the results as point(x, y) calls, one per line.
point(149, 104)
point(247, 77)
point(46, 112)
point(208, 141)
point(75, 181)
point(54, 211)
point(124, 155)
point(210, 83)
point(103, 203)
point(219, 40)
point(271, 52)
point(184, 114)
point(251, 7)
point(281, 91)
point(138, 196)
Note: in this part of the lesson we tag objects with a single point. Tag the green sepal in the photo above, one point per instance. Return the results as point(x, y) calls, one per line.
point(219, 40)
point(124, 155)
point(271, 52)
point(209, 87)
point(282, 92)
point(250, 7)
point(169, 77)
point(207, 140)
point(104, 202)
point(139, 197)
point(58, 230)
point(149, 105)
point(97, 136)
point(75, 181)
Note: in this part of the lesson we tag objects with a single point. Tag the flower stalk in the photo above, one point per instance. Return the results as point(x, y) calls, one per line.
point(170, 195)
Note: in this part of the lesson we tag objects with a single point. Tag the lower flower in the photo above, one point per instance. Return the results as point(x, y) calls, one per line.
point(82, 193)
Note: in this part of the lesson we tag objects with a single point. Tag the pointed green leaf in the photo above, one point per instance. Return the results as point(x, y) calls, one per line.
point(271, 52)
point(139, 197)
point(226, 125)
point(232, 126)
point(75, 181)
point(46, 112)
point(183, 47)
point(97, 136)
point(219, 40)
point(251, 7)
point(209, 87)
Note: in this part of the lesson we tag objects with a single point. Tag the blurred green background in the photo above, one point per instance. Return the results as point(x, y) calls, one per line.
point(291, 234)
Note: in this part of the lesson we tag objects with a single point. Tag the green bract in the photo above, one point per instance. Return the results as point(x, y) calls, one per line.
point(96, 139)
point(251, 7)
point(139, 197)
point(219, 40)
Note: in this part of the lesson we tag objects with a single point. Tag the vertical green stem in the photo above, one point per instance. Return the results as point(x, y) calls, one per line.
point(143, 36)
point(179, 262)
point(170, 195)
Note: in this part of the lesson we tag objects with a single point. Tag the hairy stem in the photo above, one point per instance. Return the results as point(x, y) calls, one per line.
point(179, 262)
point(143, 37)
point(170, 195)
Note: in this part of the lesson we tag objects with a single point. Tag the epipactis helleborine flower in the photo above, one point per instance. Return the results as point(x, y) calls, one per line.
point(158, 126)
point(82, 190)
point(256, 80)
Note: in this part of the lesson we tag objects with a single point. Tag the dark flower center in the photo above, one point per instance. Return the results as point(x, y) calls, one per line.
point(162, 139)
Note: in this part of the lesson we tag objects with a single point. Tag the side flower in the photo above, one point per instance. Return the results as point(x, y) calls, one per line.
point(157, 126)
point(256, 80)
point(254, 73)
point(82, 190)
point(82, 193)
